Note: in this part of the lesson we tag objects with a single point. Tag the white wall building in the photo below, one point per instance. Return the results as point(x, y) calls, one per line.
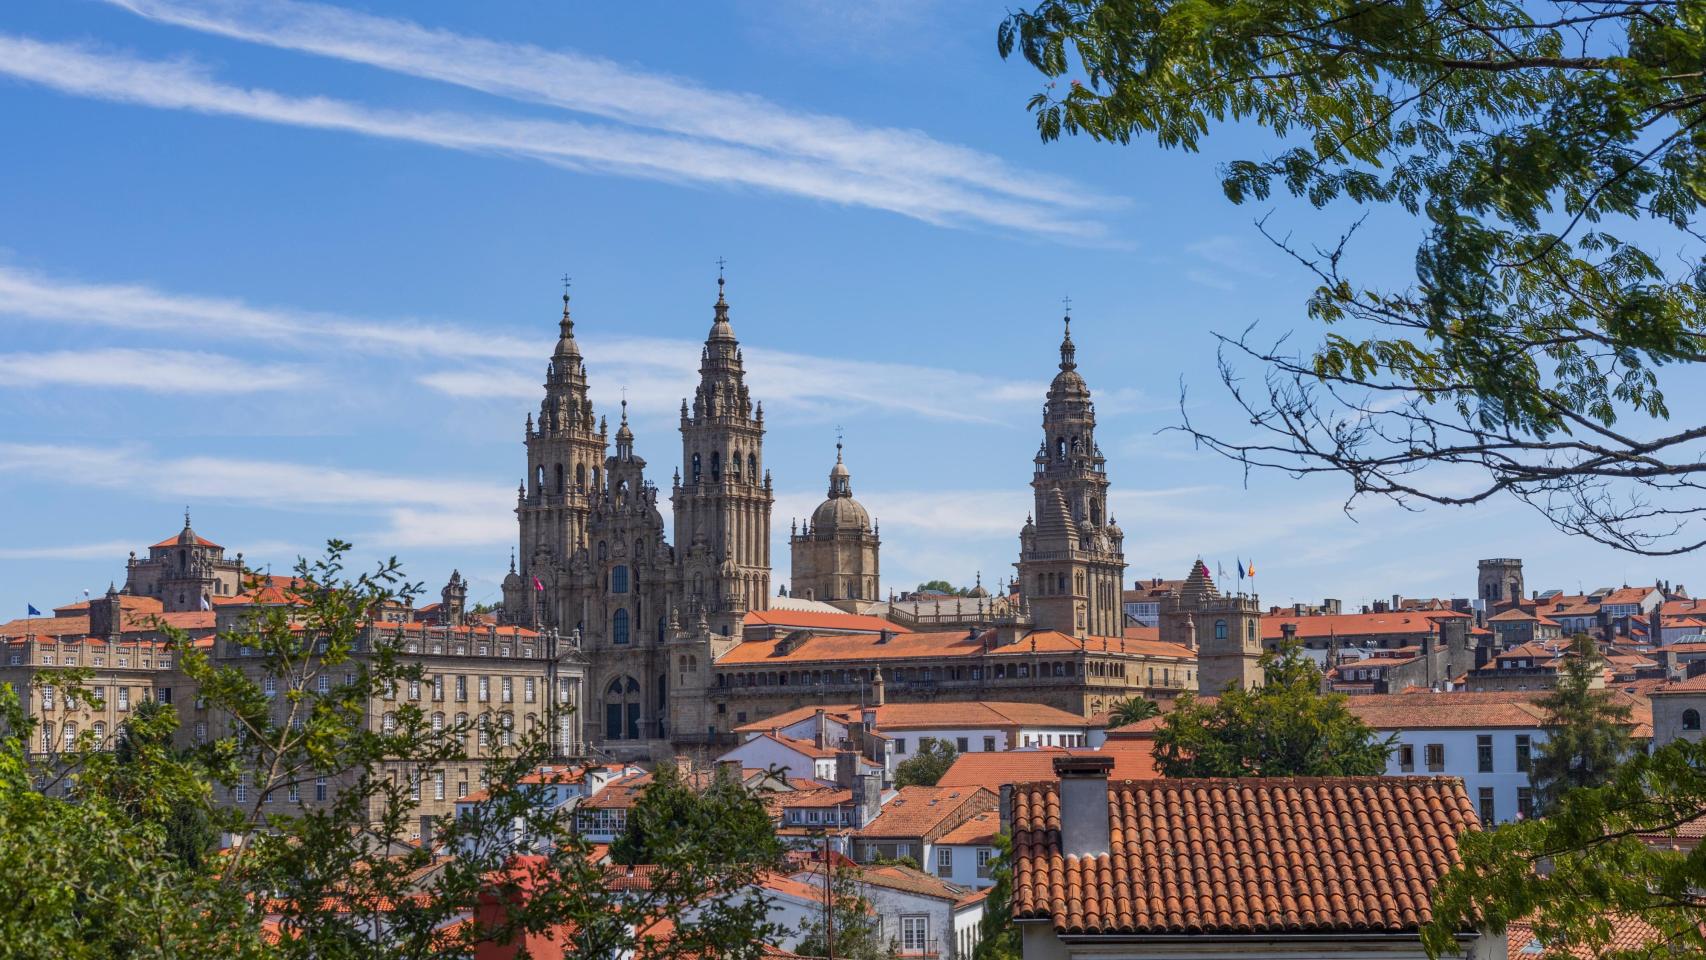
point(1488, 739)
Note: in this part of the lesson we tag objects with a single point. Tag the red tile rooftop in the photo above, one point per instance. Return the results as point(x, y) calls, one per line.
point(1246, 856)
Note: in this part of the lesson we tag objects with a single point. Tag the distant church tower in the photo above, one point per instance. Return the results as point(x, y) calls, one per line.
point(1500, 581)
point(722, 503)
point(834, 556)
point(1225, 630)
point(565, 459)
point(1071, 555)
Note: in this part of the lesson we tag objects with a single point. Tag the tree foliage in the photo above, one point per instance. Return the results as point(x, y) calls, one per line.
point(1000, 938)
point(1285, 728)
point(1602, 852)
point(943, 586)
point(1553, 152)
point(926, 765)
point(108, 861)
point(1132, 710)
point(1587, 730)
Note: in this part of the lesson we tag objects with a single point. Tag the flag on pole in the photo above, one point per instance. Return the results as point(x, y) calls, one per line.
point(32, 608)
point(1240, 565)
point(205, 605)
point(537, 585)
point(1252, 569)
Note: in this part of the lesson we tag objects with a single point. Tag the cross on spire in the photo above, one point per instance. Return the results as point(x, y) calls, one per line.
point(1067, 303)
point(720, 264)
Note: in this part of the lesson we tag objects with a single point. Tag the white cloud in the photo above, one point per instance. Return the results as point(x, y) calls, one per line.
point(418, 510)
point(156, 371)
point(142, 308)
point(181, 85)
point(105, 550)
point(603, 88)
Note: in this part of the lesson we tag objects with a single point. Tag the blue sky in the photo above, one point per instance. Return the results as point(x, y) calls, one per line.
point(295, 266)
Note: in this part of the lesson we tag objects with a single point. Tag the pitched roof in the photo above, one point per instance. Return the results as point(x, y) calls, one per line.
point(917, 810)
point(1405, 711)
point(926, 716)
point(979, 831)
point(1628, 932)
point(1322, 625)
point(821, 648)
point(1244, 856)
point(817, 620)
point(1134, 759)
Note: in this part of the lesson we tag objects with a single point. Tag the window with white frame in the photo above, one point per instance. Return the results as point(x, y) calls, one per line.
point(914, 933)
point(945, 861)
point(123, 698)
point(323, 684)
point(485, 689)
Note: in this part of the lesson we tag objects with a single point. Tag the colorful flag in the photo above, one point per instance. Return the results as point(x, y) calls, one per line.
point(1252, 568)
point(33, 611)
point(537, 585)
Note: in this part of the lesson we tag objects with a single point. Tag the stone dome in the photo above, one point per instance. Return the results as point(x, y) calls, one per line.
point(840, 511)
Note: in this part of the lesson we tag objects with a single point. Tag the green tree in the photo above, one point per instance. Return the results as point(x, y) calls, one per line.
point(110, 870)
point(1602, 852)
point(858, 930)
point(943, 586)
point(1132, 710)
point(926, 765)
point(1285, 728)
point(1552, 152)
point(1587, 730)
point(672, 815)
point(1000, 937)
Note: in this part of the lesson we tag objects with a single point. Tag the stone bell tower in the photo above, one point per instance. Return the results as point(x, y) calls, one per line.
point(1071, 553)
point(722, 500)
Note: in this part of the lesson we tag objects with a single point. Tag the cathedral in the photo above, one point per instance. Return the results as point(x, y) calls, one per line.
point(681, 639)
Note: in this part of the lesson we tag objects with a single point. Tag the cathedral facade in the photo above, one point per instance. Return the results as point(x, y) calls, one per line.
point(593, 559)
point(680, 641)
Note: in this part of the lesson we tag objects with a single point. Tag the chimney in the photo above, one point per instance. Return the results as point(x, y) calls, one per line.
point(729, 771)
point(877, 690)
point(885, 636)
point(821, 729)
point(1084, 830)
point(846, 768)
point(683, 765)
point(1288, 631)
point(1397, 601)
point(1483, 653)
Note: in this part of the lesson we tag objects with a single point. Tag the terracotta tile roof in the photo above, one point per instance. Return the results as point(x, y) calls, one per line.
point(926, 716)
point(1438, 711)
point(979, 831)
point(894, 877)
point(1513, 615)
point(820, 648)
point(1625, 595)
point(818, 797)
point(127, 602)
point(1693, 685)
point(916, 811)
point(1249, 856)
point(1134, 759)
point(172, 541)
point(1628, 932)
point(1321, 626)
point(1138, 631)
point(816, 620)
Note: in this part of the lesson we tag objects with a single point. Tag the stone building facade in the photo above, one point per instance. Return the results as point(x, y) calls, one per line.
point(835, 554)
point(650, 616)
point(1224, 630)
point(1071, 551)
point(185, 572)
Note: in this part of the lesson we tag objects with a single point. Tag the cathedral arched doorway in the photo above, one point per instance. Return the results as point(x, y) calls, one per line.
point(622, 709)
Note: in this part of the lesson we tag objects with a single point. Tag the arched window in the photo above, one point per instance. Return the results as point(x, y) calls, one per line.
point(388, 724)
point(695, 468)
point(100, 730)
point(539, 480)
point(751, 468)
point(622, 709)
point(1220, 629)
point(619, 579)
point(1691, 719)
point(734, 464)
point(1250, 630)
point(560, 478)
point(69, 738)
point(716, 466)
point(619, 627)
point(1060, 448)
point(438, 723)
point(580, 476)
